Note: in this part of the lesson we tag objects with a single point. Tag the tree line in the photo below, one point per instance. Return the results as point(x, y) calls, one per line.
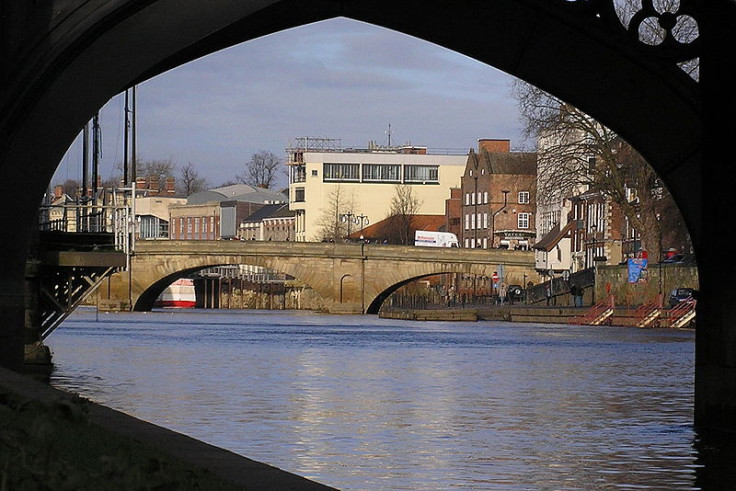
point(262, 170)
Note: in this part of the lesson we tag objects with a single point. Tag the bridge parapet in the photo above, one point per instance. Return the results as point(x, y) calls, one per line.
point(336, 250)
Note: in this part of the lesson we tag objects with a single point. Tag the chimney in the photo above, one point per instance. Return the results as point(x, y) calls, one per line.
point(153, 185)
point(170, 186)
point(493, 145)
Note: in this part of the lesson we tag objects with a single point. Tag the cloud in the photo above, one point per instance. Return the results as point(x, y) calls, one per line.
point(338, 78)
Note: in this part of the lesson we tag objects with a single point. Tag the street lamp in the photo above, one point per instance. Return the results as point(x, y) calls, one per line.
point(593, 231)
point(351, 218)
point(361, 220)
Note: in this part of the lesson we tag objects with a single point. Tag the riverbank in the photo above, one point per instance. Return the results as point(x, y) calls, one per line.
point(51, 439)
point(621, 316)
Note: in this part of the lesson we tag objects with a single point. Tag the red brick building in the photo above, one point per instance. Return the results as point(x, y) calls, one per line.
point(497, 197)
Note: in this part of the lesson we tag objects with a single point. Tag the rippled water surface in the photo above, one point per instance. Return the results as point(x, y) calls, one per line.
point(362, 403)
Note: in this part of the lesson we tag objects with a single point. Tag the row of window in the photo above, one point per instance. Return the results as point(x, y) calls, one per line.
point(194, 228)
point(482, 198)
point(408, 173)
point(480, 220)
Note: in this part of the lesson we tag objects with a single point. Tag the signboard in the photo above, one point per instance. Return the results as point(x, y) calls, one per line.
point(494, 277)
point(637, 270)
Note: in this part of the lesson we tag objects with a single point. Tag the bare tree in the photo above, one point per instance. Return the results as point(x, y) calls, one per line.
point(261, 170)
point(189, 181)
point(159, 168)
point(576, 154)
point(331, 226)
point(404, 207)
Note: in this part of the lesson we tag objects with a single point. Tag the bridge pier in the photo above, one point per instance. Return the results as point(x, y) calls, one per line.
point(35, 353)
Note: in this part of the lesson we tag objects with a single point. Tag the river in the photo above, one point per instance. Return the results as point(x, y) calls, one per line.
point(362, 403)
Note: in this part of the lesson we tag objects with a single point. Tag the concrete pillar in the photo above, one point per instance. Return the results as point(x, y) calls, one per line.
point(715, 363)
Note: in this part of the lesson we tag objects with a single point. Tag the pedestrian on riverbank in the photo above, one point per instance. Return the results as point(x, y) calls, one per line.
point(548, 293)
point(574, 295)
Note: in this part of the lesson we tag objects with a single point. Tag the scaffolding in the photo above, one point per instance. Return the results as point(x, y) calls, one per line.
point(296, 147)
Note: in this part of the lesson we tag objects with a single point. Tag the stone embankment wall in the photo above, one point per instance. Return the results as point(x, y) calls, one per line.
point(614, 279)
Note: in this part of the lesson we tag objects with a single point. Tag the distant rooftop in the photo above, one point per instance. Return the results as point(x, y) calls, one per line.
point(238, 192)
point(298, 146)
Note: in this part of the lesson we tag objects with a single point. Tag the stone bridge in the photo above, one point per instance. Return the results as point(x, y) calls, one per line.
point(351, 278)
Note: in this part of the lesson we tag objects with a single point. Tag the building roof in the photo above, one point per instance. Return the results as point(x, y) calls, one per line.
point(279, 210)
point(553, 237)
point(516, 163)
point(420, 222)
point(238, 192)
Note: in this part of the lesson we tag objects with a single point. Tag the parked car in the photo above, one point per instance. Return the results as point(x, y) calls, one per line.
point(681, 259)
point(515, 292)
point(682, 295)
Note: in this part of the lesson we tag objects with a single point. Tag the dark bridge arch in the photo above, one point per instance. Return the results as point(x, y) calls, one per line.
point(147, 298)
point(61, 61)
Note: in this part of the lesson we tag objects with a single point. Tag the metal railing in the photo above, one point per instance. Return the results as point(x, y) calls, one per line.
point(91, 217)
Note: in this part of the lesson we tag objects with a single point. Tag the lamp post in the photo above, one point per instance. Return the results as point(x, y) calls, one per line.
point(351, 218)
point(361, 220)
point(593, 230)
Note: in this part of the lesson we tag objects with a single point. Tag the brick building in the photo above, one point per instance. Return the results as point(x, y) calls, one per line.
point(498, 197)
point(217, 213)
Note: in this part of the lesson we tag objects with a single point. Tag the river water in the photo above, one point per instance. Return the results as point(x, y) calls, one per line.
point(362, 403)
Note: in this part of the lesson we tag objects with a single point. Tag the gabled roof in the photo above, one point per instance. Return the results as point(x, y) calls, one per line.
point(419, 222)
point(280, 210)
point(554, 237)
point(515, 163)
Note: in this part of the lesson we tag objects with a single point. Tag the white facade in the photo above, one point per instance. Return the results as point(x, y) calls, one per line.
point(554, 212)
point(366, 182)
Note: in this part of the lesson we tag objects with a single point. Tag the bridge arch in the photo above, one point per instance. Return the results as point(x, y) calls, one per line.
point(145, 288)
point(375, 306)
point(62, 61)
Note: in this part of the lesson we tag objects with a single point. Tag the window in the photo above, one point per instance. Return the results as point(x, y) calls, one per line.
point(523, 197)
point(522, 220)
point(467, 222)
point(341, 172)
point(421, 173)
point(298, 173)
point(485, 197)
point(467, 199)
point(381, 172)
point(299, 195)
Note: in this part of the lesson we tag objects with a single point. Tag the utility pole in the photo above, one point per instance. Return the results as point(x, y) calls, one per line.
point(95, 152)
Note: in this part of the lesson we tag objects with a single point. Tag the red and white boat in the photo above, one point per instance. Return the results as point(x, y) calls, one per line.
point(178, 295)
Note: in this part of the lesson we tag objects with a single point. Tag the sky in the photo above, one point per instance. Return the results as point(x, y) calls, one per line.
point(338, 79)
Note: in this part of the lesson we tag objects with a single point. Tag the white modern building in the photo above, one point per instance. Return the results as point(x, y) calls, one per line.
point(360, 183)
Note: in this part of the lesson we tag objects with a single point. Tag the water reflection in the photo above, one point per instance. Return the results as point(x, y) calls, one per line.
point(364, 403)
